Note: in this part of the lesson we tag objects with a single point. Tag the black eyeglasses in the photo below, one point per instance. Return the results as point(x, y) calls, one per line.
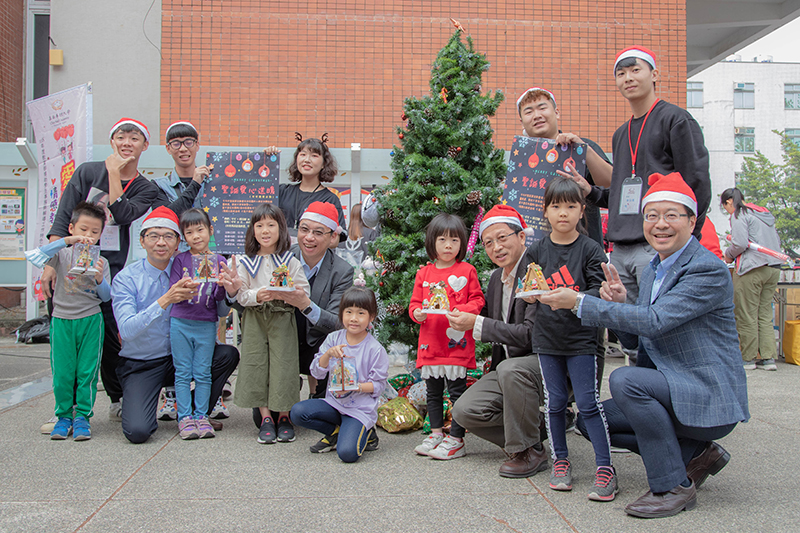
point(501, 239)
point(175, 144)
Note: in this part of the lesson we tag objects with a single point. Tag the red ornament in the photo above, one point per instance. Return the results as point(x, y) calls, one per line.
point(458, 149)
point(403, 116)
point(380, 283)
point(400, 135)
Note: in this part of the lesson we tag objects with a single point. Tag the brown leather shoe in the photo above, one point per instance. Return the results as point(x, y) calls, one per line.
point(710, 462)
point(525, 463)
point(216, 424)
point(664, 504)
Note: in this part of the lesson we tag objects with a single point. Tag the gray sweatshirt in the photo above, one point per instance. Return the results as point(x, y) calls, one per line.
point(753, 225)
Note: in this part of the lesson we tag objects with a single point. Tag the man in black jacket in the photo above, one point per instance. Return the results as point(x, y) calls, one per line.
point(503, 406)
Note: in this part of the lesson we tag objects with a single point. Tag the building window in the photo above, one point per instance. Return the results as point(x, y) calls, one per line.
point(791, 96)
point(744, 140)
point(794, 136)
point(744, 96)
point(694, 94)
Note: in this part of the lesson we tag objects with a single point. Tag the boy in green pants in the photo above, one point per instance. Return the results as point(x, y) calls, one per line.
point(76, 326)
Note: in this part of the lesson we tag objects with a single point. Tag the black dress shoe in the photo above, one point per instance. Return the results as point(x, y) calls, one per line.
point(665, 503)
point(710, 462)
point(525, 463)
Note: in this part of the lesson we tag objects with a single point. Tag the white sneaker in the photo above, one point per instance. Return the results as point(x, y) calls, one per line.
point(220, 410)
point(450, 448)
point(429, 444)
point(168, 410)
point(48, 426)
point(115, 411)
point(749, 365)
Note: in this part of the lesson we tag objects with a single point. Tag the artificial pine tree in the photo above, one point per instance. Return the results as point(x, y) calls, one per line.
point(447, 164)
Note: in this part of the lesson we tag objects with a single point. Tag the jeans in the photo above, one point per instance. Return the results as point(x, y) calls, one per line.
point(192, 350)
point(321, 416)
point(666, 445)
point(582, 370)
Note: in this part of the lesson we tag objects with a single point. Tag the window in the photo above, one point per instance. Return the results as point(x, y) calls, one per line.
point(791, 96)
point(744, 140)
point(744, 96)
point(694, 94)
point(794, 136)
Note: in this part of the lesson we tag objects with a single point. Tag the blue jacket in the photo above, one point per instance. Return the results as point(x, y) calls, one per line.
point(688, 333)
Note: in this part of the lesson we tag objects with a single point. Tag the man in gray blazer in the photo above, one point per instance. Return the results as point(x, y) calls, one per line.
point(688, 388)
point(503, 406)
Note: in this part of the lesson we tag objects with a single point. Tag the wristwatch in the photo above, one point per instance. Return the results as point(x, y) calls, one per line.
point(307, 310)
point(578, 300)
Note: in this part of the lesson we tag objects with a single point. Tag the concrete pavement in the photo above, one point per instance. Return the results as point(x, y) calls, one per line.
point(231, 483)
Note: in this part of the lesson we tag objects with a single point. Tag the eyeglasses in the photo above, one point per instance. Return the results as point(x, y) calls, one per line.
point(501, 240)
point(153, 238)
point(305, 230)
point(175, 144)
point(669, 218)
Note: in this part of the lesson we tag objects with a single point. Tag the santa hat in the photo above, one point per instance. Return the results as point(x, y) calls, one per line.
point(181, 123)
point(323, 213)
point(639, 52)
point(162, 217)
point(129, 121)
point(540, 90)
point(503, 214)
point(670, 188)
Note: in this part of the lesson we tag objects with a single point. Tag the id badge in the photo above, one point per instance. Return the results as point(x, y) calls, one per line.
point(109, 240)
point(631, 196)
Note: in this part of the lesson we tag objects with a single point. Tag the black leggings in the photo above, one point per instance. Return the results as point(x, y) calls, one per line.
point(435, 406)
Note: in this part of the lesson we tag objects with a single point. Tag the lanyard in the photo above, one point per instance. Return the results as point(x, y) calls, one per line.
point(634, 152)
point(129, 184)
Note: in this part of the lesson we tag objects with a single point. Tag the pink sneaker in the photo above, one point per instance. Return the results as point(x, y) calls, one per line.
point(204, 428)
point(188, 429)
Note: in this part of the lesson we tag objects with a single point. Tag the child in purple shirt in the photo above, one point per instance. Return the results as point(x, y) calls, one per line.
point(358, 368)
point(193, 324)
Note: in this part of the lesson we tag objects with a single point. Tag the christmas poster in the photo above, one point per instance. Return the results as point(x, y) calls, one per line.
point(240, 182)
point(533, 163)
point(12, 223)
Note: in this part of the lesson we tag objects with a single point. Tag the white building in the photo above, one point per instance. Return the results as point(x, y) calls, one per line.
point(738, 105)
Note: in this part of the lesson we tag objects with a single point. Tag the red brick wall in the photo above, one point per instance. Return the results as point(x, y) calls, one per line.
point(250, 73)
point(12, 25)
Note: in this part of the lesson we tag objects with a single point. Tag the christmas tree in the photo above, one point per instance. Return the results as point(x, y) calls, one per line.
point(447, 164)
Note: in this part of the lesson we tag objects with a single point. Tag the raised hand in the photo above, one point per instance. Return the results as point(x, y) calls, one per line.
point(271, 150)
point(74, 239)
point(586, 188)
point(612, 290)
point(115, 162)
point(229, 278)
point(202, 172)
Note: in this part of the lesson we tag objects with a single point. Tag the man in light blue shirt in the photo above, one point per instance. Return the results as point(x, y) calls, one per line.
point(142, 297)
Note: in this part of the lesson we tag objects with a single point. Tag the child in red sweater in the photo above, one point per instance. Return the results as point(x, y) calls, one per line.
point(444, 354)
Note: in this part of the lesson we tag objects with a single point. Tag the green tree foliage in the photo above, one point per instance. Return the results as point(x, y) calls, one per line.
point(776, 187)
point(447, 164)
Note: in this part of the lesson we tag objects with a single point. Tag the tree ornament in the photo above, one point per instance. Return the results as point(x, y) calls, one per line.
point(452, 152)
point(478, 87)
point(443, 94)
point(403, 116)
point(400, 135)
point(390, 266)
point(458, 149)
point(395, 309)
point(436, 200)
point(474, 198)
point(410, 126)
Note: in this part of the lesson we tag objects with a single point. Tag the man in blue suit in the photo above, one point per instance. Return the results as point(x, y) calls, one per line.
point(688, 388)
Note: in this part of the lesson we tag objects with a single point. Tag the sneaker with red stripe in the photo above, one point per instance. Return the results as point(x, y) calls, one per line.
point(450, 448)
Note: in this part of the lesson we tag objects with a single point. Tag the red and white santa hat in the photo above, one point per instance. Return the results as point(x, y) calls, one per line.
point(129, 121)
point(535, 90)
point(670, 188)
point(162, 217)
point(323, 213)
point(502, 214)
point(639, 52)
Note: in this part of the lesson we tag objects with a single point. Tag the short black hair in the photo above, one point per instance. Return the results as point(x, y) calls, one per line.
point(449, 226)
point(194, 217)
point(182, 130)
point(360, 297)
point(267, 210)
point(90, 210)
point(565, 190)
point(631, 61)
point(129, 128)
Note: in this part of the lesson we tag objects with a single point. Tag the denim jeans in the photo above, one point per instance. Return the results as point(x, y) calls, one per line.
point(192, 350)
point(321, 416)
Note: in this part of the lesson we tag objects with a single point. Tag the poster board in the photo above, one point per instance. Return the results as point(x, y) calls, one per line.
point(531, 166)
point(12, 223)
point(239, 182)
